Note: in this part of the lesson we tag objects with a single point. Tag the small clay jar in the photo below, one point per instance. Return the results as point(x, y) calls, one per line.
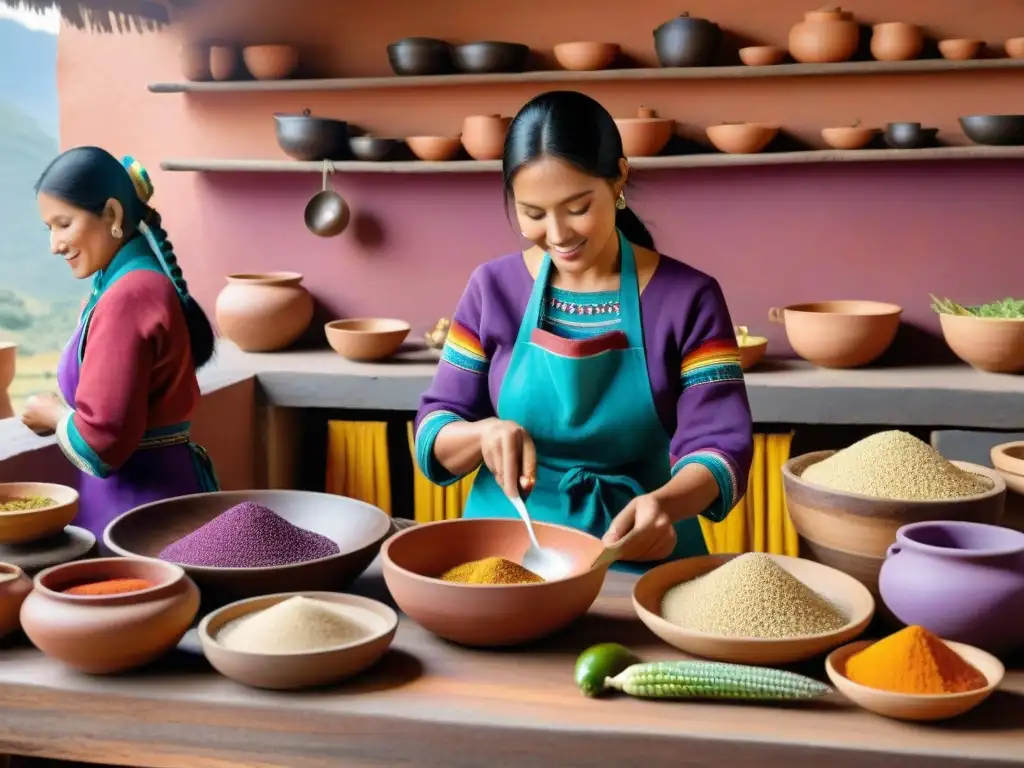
point(195, 62)
point(264, 312)
point(483, 136)
point(826, 36)
point(224, 62)
point(896, 41)
point(14, 588)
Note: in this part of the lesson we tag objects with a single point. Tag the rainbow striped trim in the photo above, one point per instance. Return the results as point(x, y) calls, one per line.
point(725, 475)
point(463, 349)
point(714, 361)
point(426, 435)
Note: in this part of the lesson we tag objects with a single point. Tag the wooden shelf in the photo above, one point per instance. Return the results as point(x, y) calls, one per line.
point(651, 163)
point(562, 76)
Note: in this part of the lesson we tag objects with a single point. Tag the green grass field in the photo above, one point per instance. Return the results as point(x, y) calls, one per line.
point(35, 373)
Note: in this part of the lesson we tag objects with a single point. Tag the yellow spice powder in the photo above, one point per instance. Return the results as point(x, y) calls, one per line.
point(491, 570)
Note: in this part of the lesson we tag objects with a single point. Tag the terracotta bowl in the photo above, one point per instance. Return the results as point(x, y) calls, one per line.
point(104, 634)
point(960, 49)
point(1014, 47)
point(224, 62)
point(358, 529)
point(646, 134)
point(762, 55)
point(918, 708)
point(488, 615)
point(483, 136)
point(991, 344)
point(34, 524)
point(434, 148)
point(752, 351)
point(366, 339)
point(1008, 459)
point(586, 56)
point(195, 61)
point(851, 532)
point(73, 543)
point(14, 588)
point(291, 671)
point(845, 592)
point(839, 334)
point(849, 137)
point(271, 62)
point(742, 138)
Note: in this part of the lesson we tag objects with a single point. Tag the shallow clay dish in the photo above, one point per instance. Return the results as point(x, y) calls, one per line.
point(843, 591)
point(270, 62)
point(742, 138)
point(366, 339)
point(357, 527)
point(290, 671)
point(104, 634)
point(586, 56)
point(73, 543)
point(839, 334)
point(1008, 459)
point(994, 344)
point(918, 708)
point(434, 148)
point(488, 615)
point(960, 49)
point(762, 55)
point(14, 588)
point(33, 524)
point(646, 134)
point(849, 136)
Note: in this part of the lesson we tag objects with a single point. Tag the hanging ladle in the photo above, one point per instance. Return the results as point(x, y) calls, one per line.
point(327, 213)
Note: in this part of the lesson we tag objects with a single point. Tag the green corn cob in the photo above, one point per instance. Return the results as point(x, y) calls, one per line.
point(713, 680)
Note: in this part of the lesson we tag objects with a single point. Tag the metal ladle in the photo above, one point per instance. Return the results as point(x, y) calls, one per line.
point(549, 564)
point(327, 214)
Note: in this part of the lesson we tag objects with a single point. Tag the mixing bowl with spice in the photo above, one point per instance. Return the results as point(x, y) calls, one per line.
point(33, 511)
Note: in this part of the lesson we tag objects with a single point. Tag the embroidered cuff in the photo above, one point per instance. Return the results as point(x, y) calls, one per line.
point(77, 450)
point(713, 362)
point(721, 468)
point(426, 436)
point(463, 350)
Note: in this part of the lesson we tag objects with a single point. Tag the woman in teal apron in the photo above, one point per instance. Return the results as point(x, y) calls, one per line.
point(592, 375)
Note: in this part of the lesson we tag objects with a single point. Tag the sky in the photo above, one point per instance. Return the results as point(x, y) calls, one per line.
point(48, 22)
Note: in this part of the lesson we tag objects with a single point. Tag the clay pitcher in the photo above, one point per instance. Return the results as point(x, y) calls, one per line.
point(14, 588)
point(8, 365)
point(264, 312)
point(826, 36)
point(896, 41)
point(959, 580)
point(483, 136)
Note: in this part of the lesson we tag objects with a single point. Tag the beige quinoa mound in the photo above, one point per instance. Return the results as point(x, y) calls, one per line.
point(296, 625)
point(750, 596)
point(895, 465)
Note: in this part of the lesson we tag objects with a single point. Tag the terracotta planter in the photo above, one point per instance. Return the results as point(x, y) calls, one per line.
point(14, 588)
point(896, 41)
point(646, 134)
point(223, 62)
point(8, 366)
point(993, 344)
point(825, 36)
point(195, 62)
point(483, 136)
point(264, 312)
point(839, 334)
point(104, 634)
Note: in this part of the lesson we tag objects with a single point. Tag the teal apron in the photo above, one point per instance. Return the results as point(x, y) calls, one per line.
point(589, 408)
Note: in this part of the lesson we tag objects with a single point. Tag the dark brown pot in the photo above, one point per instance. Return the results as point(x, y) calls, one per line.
point(307, 138)
point(420, 56)
point(489, 56)
point(687, 41)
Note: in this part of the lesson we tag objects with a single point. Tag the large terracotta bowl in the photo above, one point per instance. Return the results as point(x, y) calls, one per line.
point(366, 339)
point(839, 334)
point(993, 344)
point(852, 532)
point(358, 529)
point(488, 615)
point(103, 634)
point(843, 591)
point(35, 524)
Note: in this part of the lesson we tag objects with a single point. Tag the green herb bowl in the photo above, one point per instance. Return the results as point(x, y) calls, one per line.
point(993, 344)
point(27, 525)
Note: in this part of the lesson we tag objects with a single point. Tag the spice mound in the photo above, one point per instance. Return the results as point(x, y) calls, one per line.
point(895, 465)
point(913, 661)
point(26, 503)
point(110, 587)
point(296, 625)
point(249, 536)
point(490, 570)
point(750, 596)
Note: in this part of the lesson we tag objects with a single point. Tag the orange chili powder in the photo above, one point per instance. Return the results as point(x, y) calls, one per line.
point(110, 587)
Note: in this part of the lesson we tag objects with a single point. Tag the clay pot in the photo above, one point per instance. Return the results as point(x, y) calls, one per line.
point(762, 55)
point(960, 49)
point(896, 41)
point(849, 136)
point(993, 344)
point(586, 56)
point(1008, 459)
point(264, 312)
point(825, 36)
point(14, 588)
point(687, 41)
point(31, 525)
point(483, 136)
point(223, 62)
point(961, 581)
point(418, 56)
point(195, 62)
point(909, 135)
point(742, 138)
point(839, 334)
point(366, 339)
point(1014, 47)
point(104, 634)
point(434, 148)
point(646, 134)
point(270, 62)
point(8, 366)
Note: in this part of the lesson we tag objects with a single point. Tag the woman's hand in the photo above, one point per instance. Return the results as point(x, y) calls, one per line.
point(42, 413)
point(649, 527)
point(509, 452)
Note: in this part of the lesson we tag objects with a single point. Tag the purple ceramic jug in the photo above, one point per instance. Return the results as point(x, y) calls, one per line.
point(961, 581)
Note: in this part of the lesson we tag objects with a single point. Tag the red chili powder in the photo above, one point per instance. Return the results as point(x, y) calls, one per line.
point(110, 587)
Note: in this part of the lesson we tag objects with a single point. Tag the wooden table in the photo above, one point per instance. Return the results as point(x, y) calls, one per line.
point(429, 703)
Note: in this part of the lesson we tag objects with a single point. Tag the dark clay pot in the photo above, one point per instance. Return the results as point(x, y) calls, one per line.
point(420, 56)
point(490, 56)
point(307, 138)
point(994, 130)
point(687, 41)
point(909, 136)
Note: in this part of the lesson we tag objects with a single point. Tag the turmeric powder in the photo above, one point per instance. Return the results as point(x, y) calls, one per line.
point(913, 661)
point(491, 570)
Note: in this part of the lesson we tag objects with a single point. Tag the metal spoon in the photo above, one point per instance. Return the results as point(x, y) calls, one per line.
point(549, 564)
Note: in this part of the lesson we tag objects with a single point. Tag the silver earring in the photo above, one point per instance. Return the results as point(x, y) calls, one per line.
point(620, 201)
point(115, 232)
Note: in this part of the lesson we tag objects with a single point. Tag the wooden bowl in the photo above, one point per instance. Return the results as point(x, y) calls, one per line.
point(993, 344)
point(586, 56)
point(488, 615)
point(271, 62)
point(839, 334)
point(849, 136)
point(434, 149)
point(906, 706)
point(851, 532)
point(762, 55)
point(742, 138)
point(1008, 459)
point(752, 351)
point(356, 527)
point(34, 524)
point(960, 49)
point(291, 671)
point(845, 592)
point(366, 339)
